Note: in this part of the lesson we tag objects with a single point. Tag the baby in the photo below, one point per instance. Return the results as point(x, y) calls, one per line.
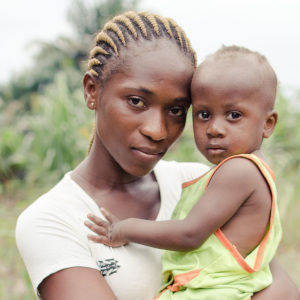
point(226, 228)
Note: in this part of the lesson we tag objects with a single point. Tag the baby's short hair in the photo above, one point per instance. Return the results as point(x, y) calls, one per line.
point(264, 69)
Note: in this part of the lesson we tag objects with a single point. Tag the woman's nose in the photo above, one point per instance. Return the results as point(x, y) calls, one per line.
point(154, 126)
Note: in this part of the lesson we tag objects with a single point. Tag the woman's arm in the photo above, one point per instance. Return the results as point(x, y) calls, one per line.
point(281, 288)
point(56, 252)
point(76, 283)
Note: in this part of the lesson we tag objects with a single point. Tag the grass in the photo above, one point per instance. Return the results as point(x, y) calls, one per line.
point(14, 283)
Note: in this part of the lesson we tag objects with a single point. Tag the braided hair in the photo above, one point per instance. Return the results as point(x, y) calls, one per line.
point(126, 30)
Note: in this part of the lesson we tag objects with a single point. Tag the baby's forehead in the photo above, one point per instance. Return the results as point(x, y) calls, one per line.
point(242, 71)
point(226, 63)
point(228, 72)
point(228, 78)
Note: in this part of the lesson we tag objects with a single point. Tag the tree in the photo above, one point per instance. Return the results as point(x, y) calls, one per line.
point(65, 53)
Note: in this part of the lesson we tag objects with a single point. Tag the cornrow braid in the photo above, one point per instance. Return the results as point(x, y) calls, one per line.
point(177, 29)
point(129, 28)
point(93, 62)
point(103, 36)
point(114, 27)
point(93, 132)
point(137, 18)
point(165, 23)
point(127, 23)
point(152, 20)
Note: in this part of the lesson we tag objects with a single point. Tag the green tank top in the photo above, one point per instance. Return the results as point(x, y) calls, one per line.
point(216, 270)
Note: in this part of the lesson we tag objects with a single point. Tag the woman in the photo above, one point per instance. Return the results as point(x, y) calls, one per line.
point(138, 84)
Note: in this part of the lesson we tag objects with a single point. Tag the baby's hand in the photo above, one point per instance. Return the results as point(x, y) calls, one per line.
point(108, 233)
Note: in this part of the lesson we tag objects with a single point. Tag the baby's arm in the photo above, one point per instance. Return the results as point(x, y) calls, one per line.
point(230, 186)
point(115, 233)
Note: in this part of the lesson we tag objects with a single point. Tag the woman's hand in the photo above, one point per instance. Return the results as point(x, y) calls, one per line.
point(108, 232)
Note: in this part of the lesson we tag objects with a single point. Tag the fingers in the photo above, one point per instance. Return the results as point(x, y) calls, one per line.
point(97, 225)
point(99, 239)
point(98, 229)
point(108, 215)
point(97, 220)
point(106, 232)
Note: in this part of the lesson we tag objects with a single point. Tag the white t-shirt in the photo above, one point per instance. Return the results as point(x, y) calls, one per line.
point(51, 235)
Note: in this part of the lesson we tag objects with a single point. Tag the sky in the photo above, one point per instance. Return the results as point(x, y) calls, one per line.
point(270, 27)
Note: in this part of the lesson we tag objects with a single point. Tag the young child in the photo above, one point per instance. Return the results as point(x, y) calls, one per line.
point(226, 227)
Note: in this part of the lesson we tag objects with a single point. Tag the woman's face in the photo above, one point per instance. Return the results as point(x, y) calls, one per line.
point(141, 111)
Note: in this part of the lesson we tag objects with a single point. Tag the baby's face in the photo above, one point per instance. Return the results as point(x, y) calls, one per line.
point(228, 109)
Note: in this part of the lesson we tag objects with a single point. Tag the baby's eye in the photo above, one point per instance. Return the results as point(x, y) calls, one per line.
point(204, 115)
point(137, 102)
point(234, 115)
point(177, 111)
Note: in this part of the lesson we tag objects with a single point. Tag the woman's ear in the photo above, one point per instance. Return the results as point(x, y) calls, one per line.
point(91, 89)
point(270, 122)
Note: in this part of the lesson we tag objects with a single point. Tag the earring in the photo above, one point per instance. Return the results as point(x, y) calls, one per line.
point(92, 104)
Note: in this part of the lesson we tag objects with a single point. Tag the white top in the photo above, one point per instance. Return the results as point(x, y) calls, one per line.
point(51, 235)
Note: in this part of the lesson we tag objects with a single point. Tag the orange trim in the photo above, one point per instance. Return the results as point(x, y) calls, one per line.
point(234, 252)
point(219, 234)
point(158, 296)
point(269, 169)
point(247, 156)
point(188, 183)
point(182, 279)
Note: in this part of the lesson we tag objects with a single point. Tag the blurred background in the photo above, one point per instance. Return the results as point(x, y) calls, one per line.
point(45, 127)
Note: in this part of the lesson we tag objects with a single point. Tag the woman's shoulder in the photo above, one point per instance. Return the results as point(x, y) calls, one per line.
point(51, 198)
point(64, 202)
point(184, 171)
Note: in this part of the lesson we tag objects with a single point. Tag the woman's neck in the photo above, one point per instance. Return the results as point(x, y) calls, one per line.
point(102, 175)
point(123, 194)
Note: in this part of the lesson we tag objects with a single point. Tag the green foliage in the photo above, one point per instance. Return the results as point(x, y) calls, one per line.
point(282, 150)
point(50, 139)
point(87, 20)
point(12, 159)
point(12, 162)
point(58, 131)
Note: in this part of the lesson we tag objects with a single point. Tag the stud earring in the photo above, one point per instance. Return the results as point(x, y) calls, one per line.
point(92, 104)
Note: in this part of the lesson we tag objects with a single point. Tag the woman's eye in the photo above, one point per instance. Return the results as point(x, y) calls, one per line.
point(204, 115)
point(177, 111)
point(137, 102)
point(234, 115)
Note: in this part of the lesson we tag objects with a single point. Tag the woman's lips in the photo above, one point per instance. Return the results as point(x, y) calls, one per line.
point(148, 154)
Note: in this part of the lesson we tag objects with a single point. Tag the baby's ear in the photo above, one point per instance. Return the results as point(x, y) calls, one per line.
point(91, 90)
point(270, 122)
